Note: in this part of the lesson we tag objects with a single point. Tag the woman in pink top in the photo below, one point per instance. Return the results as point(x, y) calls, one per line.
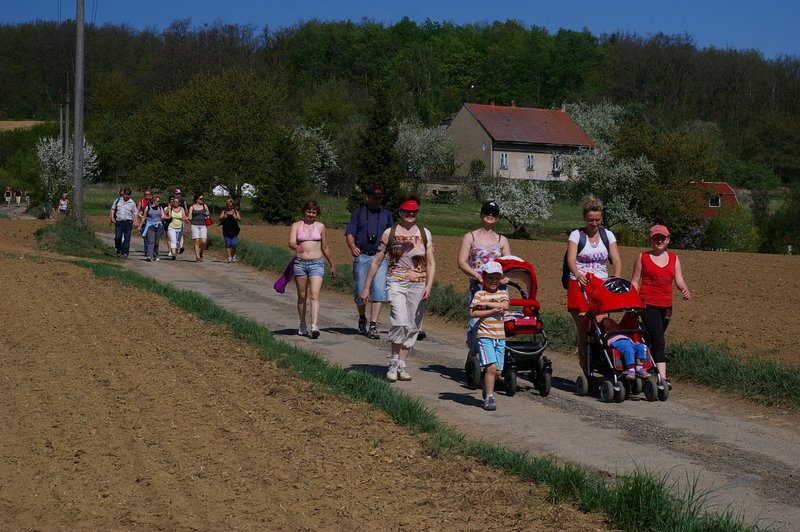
point(654, 272)
point(482, 246)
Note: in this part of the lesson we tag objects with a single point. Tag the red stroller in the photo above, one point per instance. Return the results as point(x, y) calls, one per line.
point(606, 367)
point(522, 322)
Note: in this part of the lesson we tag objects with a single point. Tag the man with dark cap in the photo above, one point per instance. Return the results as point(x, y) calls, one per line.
point(363, 234)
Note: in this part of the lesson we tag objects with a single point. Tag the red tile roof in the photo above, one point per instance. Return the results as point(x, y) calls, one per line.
point(528, 125)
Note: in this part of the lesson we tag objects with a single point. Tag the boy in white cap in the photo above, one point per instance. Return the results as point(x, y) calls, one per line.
point(489, 304)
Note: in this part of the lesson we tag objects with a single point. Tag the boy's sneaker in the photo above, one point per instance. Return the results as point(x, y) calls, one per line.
point(302, 330)
point(391, 374)
point(372, 333)
point(362, 325)
point(641, 372)
point(314, 334)
point(489, 404)
point(402, 374)
point(630, 374)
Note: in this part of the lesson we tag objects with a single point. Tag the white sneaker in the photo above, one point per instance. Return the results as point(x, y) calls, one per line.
point(302, 330)
point(391, 374)
point(233, 259)
point(402, 374)
point(314, 332)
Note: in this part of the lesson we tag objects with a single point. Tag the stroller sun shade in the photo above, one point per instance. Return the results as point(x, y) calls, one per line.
point(612, 295)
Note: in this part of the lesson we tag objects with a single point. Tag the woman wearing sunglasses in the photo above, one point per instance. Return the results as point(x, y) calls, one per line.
point(409, 250)
point(198, 213)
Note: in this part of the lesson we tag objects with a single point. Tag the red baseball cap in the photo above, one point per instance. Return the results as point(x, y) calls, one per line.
point(659, 230)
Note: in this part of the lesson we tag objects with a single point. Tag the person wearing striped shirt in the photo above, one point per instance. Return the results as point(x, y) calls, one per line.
point(489, 304)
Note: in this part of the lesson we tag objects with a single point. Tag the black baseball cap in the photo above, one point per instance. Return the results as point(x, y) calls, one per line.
point(374, 190)
point(490, 208)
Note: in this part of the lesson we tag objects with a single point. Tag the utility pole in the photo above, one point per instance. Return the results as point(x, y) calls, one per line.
point(77, 143)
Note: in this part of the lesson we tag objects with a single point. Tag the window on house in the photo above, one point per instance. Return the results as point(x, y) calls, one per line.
point(529, 163)
point(714, 201)
point(503, 161)
point(556, 164)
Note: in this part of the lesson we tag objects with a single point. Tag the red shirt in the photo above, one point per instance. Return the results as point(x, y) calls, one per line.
point(656, 287)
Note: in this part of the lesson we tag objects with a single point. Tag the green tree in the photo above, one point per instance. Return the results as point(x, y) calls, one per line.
point(283, 186)
point(782, 227)
point(216, 130)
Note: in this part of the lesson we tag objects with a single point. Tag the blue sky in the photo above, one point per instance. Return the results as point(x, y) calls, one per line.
point(770, 26)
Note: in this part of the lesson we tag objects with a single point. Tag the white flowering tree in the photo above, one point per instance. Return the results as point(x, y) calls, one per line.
point(522, 202)
point(56, 165)
point(423, 151)
point(318, 154)
point(597, 171)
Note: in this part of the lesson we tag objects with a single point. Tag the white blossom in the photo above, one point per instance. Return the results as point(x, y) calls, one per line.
point(423, 151)
point(56, 165)
point(521, 201)
point(318, 154)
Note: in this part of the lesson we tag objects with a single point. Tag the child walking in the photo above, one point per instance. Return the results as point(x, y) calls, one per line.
point(634, 354)
point(489, 304)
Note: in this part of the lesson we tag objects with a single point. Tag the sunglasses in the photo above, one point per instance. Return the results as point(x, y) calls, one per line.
point(409, 213)
point(200, 199)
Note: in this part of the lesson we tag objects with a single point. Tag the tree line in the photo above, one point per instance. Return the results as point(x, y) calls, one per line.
point(227, 103)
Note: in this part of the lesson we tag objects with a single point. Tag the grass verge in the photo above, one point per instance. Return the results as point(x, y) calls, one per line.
point(637, 501)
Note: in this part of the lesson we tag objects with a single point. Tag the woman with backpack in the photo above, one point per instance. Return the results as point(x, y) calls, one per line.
point(409, 250)
point(588, 250)
point(151, 218)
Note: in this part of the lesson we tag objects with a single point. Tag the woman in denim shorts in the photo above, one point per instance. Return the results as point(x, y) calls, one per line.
point(307, 239)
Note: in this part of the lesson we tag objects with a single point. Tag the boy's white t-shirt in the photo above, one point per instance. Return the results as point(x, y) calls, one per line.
point(592, 258)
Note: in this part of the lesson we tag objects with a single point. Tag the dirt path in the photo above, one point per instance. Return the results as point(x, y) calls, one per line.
point(746, 454)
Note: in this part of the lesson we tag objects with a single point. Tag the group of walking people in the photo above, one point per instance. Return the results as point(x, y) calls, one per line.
point(394, 261)
point(154, 220)
point(16, 194)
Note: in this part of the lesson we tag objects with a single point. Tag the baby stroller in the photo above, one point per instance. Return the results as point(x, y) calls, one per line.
point(606, 366)
point(525, 352)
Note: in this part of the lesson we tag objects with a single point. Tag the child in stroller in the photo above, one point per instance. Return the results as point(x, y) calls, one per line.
point(525, 353)
point(606, 361)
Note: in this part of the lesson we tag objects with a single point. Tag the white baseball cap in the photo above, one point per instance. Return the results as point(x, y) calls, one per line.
point(492, 267)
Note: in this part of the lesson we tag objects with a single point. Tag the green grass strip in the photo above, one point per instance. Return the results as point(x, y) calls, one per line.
point(624, 500)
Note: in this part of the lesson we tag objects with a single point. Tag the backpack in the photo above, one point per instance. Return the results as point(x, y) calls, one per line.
point(581, 244)
point(390, 242)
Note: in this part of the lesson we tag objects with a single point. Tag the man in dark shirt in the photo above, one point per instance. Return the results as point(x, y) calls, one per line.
point(363, 234)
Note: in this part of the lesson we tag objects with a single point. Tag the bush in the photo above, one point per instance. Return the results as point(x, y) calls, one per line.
point(731, 230)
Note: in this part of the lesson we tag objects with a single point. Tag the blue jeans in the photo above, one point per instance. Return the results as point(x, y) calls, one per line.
point(628, 350)
point(377, 290)
point(309, 267)
point(122, 236)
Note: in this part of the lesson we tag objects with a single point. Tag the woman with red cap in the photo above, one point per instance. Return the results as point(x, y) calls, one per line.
point(654, 272)
point(409, 249)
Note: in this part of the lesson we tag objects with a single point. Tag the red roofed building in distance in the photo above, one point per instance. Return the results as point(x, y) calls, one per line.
point(713, 195)
point(511, 141)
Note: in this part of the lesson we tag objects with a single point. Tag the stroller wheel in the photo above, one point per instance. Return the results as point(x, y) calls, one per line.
point(637, 386)
point(620, 395)
point(663, 390)
point(606, 391)
point(473, 372)
point(543, 384)
point(582, 385)
point(511, 384)
point(651, 388)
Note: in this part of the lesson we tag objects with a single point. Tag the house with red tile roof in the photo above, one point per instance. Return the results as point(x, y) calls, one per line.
point(511, 141)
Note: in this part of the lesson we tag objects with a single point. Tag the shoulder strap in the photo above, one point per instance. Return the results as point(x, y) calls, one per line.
point(421, 233)
point(604, 238)
point(581, 240)
point(424, 237)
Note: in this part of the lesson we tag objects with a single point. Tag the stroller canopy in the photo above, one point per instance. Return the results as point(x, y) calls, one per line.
point(522, 277)
point(614, 294)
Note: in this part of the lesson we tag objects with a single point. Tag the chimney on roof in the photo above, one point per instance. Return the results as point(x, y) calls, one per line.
point(513, 103)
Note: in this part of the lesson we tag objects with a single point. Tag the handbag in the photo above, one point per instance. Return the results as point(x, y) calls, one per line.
point(283, 280)
point(209, 221)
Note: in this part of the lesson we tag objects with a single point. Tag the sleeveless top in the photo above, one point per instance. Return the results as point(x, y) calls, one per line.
point(176, 216)
point(153, 214)
point(230, 227)
point(480, 254)
point(315, 235)
point(656, 287)
point(198, 217)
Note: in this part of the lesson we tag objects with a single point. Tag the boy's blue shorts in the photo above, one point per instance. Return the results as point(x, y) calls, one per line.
point(491, 351)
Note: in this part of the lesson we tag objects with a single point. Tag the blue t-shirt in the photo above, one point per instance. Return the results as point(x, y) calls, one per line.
point(367, 226)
